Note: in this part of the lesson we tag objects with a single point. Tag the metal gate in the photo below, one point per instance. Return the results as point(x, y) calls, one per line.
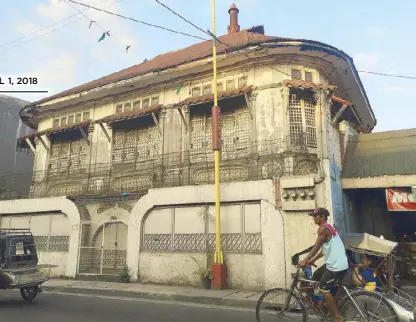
point(103, 248)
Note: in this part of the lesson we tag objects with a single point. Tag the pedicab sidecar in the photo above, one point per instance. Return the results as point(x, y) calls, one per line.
point(358, 244)
point(19, 267)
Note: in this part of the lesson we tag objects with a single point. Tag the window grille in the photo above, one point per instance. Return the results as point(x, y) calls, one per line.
point(302, 119)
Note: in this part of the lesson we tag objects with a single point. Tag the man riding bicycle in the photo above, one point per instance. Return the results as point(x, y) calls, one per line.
point(330, 246)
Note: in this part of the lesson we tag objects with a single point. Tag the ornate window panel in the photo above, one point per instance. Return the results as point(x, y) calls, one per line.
point(207, 90)
point(136, 146)
point(196, 91)
point(201, 134)
point(148, 144)
point(68, 156)
point(235, 133)
point(302, 120)
point(242, 81)
point(71, 118)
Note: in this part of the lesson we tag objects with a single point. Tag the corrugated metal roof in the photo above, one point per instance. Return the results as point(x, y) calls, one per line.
point(228, 43)
point(309, 85)
point(174, 58)
point(377, 154)
point(64, 128)
point(59, 129)
point(129, 115)
point(210, 97)
point(341, 101)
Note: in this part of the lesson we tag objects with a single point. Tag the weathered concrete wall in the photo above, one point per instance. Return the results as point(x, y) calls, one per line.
point(344, 219)
point(55, 258)
point(66, 263)
point(268, 268)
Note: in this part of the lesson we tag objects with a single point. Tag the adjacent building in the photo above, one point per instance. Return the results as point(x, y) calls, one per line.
point(124, 167)
point(378, 175)
point(16, 165)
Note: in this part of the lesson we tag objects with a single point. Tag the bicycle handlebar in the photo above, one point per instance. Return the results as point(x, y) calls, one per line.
point(295, 257)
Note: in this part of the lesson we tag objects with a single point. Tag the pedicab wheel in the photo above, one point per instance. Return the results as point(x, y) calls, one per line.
point(374, 307)
point(270, 304)
point(28, 293)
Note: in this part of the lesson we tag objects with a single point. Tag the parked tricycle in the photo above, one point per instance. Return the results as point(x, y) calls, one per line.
point(19, 267)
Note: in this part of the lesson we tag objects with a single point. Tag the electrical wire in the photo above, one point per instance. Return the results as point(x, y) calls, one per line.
point(183, 18)
point(48, 26)
point(105, 30)
point(53, 30)
point(138, 21)
point(245, 54)
point(216, 38)
point(387, 75)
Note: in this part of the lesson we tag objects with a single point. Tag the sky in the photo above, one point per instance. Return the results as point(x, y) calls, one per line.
point(52, 41)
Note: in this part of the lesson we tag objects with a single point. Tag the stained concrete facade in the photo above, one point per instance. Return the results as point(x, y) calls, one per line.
point(283, 162)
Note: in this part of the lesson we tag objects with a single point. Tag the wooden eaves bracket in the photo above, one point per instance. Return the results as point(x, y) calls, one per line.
point(30, 145)
point(105, 132)
point(183, 118)
point(43, 143)
point(84, 135)
point(341, 110)
point(156, 123)
point(249, 105)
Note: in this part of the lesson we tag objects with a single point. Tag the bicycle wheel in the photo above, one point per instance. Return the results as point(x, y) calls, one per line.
point(269, 306)
point(373, 306)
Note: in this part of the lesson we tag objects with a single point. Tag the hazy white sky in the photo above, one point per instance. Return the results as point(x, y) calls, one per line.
point(66, 53)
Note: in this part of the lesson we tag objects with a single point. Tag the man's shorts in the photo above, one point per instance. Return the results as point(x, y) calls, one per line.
point(329, 279)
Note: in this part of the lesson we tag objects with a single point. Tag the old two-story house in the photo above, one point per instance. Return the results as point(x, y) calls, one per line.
point(124, 165)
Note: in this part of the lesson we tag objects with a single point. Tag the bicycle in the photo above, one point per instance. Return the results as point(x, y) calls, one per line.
point(354, 305)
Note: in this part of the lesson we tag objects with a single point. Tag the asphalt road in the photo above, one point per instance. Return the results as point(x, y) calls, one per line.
point(58, 307)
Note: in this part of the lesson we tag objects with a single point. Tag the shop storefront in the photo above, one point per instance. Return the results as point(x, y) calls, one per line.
point(379, 185)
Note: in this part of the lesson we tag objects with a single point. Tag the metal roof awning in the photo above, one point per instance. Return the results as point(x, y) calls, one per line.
point(130, 115)
point(55, 130)
point(341, 101)
point(308, 85)
point(210, 98)
point(64, 128)
point(380, 160)
point(26, 141)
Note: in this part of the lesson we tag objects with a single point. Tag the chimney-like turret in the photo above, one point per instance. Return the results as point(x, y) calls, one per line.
point(233, 27)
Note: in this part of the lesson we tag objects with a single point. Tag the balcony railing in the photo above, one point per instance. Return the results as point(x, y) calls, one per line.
point(257, 161)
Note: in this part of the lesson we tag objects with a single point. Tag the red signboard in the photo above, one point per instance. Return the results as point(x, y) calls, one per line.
point(400, 200)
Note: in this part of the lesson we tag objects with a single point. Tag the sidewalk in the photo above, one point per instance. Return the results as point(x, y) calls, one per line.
point(237, 298)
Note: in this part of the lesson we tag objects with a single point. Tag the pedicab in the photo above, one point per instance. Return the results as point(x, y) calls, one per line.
point(356, 303)
point(19, 268)
point(359, 244)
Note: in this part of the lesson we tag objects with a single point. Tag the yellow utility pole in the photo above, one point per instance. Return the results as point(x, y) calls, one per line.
point(216, 144)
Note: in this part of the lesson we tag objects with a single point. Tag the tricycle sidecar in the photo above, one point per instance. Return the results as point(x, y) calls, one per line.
point(19, 267)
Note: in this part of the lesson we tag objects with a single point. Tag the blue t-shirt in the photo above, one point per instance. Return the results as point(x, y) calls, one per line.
point(372, 282)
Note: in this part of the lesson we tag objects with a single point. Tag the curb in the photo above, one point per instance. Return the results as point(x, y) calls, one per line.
point(155, 296)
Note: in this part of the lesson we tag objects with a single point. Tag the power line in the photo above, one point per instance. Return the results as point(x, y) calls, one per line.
point(138, 21)
point(106, 31)
point(387, 75)
point(46, 27)
point(183, 18)
point(245, 54)
point(216, 38)
point(56, 29)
